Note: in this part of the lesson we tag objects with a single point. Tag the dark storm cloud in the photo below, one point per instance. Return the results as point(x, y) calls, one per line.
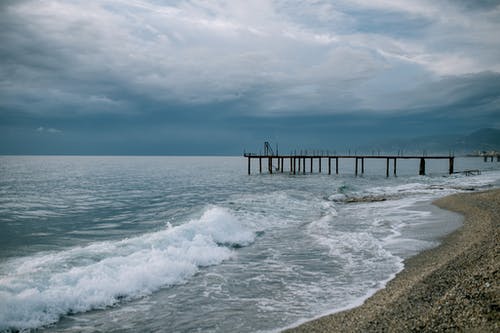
point(115, 75)
point(471, 93)
point(91, 57)
point(478, 4)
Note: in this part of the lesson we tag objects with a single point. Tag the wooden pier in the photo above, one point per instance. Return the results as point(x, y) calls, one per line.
point(297, 163)
point(491, 156)
point(488, 156)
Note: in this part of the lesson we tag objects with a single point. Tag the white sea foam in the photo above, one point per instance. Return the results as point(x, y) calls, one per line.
point(354, 250)
point(37, 290)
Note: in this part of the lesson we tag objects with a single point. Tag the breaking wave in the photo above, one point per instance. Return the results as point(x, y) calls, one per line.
point(37, 290)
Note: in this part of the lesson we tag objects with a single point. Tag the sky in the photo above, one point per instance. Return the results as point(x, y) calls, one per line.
point(198, 77)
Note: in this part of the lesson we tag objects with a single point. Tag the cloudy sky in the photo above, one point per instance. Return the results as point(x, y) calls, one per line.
point(217, 77)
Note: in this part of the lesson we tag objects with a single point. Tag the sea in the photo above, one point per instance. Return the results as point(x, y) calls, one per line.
point(195, 244)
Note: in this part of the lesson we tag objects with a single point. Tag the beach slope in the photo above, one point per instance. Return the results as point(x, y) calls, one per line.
point(453, 287)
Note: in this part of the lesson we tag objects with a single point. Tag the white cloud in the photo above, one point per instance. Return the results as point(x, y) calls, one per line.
point(293, 56)
point(50, 130)
point(420, 7)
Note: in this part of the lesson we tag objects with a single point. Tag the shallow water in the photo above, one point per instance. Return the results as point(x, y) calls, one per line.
point(194, 244)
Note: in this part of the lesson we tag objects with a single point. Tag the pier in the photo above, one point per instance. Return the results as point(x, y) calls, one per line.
point(487, 155)
point(491, 156)
point(297, 163)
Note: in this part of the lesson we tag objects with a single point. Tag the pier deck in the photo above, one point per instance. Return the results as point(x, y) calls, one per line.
point(297, 163)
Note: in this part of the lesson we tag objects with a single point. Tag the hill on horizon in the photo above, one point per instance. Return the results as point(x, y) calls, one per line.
point(485, 139)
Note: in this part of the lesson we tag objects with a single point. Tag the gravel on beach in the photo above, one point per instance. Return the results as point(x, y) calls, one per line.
point(451, 288)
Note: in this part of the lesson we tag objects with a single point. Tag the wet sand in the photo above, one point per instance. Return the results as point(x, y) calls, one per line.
point(453, 287)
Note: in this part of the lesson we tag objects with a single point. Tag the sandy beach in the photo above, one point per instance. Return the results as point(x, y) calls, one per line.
point(453, 287)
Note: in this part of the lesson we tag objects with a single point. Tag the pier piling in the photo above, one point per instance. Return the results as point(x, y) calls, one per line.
point(421, 170)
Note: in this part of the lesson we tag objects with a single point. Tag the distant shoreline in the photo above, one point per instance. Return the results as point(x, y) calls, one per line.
point(454, 286)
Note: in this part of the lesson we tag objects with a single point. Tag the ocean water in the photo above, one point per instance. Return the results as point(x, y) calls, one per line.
point(194, 244)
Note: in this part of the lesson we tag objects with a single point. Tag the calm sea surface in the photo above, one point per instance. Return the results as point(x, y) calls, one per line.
point(194, 244)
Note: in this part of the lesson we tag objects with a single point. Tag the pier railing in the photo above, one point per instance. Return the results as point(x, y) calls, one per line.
point(297, 163)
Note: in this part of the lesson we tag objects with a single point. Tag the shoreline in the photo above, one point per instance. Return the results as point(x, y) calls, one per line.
point(453, 286)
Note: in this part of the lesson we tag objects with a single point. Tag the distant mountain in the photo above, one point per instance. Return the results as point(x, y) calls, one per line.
point(485, 139)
